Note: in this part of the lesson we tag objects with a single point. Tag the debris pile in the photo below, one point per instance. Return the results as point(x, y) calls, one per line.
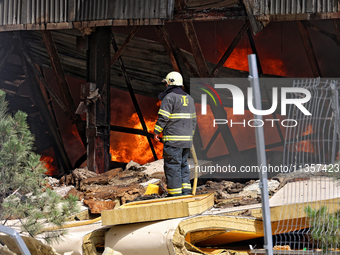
point(105, 191)
point(117, 187)
point(230, 194)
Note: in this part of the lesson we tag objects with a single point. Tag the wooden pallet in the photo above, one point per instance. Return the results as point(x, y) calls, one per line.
point(158, 209)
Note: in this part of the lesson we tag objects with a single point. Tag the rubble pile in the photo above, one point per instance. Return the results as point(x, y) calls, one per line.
point(119, 186)
point(105, 191)
point(230, 194)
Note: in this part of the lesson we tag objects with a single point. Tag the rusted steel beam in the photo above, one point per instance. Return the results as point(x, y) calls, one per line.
point(62, 82)
point(46, 115)
point(41, 78)
point(132, 94)
point(196, 48)
point(131, 131)
point(230, 49)
point(49, 102)
point(307, 43)
point(167, 48)
point(125, 44)
point(335, 38)
point(98, 68)
point(255, 25)
point(178, 52)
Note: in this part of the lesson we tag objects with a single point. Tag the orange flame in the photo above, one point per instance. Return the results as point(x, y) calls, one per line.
point(136, 147)
point(48, 163)
point(238, 60)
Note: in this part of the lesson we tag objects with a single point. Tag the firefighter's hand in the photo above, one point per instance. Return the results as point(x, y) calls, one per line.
point(156, 137)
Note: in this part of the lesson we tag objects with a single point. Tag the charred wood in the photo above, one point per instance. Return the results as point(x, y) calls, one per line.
point(125, 44)
point(168, 48)
point(307, 43)
point(196, 48)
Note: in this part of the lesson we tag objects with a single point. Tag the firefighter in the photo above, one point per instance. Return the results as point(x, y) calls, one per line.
point(177, 121)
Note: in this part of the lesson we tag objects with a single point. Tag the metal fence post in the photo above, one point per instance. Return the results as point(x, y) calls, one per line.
point(17, 238)
point(335, 106)
point(261, 155)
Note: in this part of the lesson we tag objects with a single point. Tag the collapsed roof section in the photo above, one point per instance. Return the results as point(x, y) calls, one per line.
point(136, 59)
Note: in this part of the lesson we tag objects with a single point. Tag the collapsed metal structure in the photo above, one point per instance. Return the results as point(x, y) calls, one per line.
point(86, 53)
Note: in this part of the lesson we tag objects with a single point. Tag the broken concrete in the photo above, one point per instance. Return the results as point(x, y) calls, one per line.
point(63, 190)
point(134, 166)
point(255, 187)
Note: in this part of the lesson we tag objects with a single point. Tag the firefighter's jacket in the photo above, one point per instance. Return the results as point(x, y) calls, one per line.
point(177, 120)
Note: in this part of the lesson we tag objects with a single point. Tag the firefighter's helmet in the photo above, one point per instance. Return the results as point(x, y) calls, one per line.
point(174, 79)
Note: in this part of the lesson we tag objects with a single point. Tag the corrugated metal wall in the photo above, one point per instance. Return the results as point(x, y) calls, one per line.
point(272, 7)
point(58, 11)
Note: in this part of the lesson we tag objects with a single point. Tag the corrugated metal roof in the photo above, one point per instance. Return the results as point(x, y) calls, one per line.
point(272, 7)
point(39, 12)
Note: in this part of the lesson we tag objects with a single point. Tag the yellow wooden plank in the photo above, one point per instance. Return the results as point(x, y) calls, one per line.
point(158, 209)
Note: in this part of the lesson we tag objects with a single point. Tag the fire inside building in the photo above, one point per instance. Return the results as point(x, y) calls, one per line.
point(88, 74)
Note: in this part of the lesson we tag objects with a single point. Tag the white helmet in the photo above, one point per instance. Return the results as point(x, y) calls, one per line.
point(174, 79)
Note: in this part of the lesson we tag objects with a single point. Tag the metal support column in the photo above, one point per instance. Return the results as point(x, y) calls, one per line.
point(98, 72)
point(261, 155)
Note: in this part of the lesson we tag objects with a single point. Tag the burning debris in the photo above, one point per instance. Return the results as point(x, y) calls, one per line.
point(141, 153)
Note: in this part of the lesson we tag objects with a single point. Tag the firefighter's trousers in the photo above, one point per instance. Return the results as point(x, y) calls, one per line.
point(176, 170)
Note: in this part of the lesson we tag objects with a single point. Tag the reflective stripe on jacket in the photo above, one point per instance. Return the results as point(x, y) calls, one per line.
point(177, 120)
